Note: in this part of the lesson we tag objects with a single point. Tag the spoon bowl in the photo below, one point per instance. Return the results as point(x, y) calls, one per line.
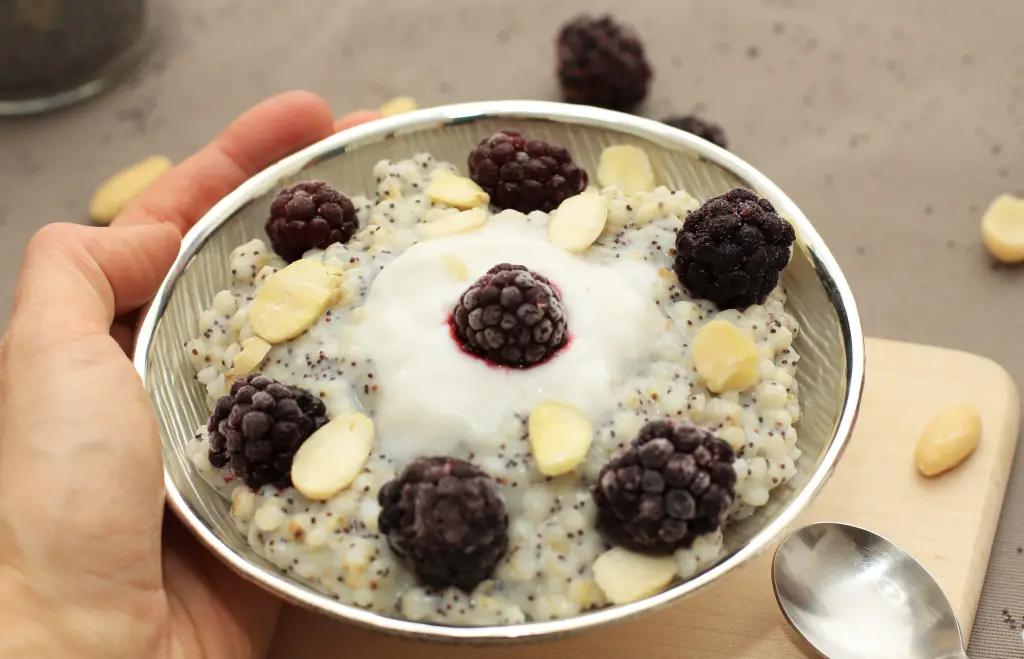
point(853, 594)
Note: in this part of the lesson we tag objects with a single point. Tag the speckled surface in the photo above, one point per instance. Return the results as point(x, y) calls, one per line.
point(892, 124)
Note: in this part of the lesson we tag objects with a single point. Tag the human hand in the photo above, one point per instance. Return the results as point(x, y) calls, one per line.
point(89, 566)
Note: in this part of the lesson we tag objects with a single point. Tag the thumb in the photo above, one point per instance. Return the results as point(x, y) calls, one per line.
point(75, 280)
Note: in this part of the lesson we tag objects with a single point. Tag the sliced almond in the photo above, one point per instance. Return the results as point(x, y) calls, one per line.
point(627, 576)
point(948, 439)
point(725, 358)
point(627, 168)
point(333, 457)
point(455, 191)
point(124, 186)
point(451, 225)
point(292, 300)
point(578, 222)
point(1002, 229)
point(399, 105)
point(455, 266)
point(254, 351)
point(560, 437)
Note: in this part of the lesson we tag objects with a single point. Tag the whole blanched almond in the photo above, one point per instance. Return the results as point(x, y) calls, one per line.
point(455, 191)
point(1002, 229)
point(948, 439)
point(627, 168)
point(333, 457)
point(292, 300)
point(578, 222)
point(454, 224)
point(124, 186)
point(725, 358)
point(560, 437)
point(254, 351)
point(398, 105)
point(627, 576)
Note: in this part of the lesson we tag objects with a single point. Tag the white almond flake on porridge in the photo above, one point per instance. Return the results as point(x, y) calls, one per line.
point(382, 347)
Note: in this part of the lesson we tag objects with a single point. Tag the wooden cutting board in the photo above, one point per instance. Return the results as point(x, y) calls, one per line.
point(948, 523)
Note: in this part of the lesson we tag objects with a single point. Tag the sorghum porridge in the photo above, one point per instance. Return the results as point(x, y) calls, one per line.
point(489, 400)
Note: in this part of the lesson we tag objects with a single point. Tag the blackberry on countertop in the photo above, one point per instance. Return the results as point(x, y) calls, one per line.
point(446, 518)
point(310, 215)
point(602, 62)
point(702, 128)
point(256, 429)
point(511, 316)
point(673, 483)
point(732, 249)
point(525, 175)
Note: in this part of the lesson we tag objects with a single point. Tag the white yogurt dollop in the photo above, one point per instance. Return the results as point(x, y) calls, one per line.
point(433, 396)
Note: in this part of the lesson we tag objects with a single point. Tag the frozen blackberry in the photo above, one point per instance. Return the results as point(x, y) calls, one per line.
point(511, 316)
point(732, 249)
point(602, 62)
point(446, 518)
point(256, 429)
point(309, 215)
point(700, 127)
point(525, 175)
point(672, 484)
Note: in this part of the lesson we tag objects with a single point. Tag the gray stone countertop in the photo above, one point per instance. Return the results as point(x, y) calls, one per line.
point(892, 124)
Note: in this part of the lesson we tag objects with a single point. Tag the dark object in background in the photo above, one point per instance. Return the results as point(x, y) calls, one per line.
point(732, 249)
point(525, 175)
point(56, 52)
point(447, 519)
point(307, 215)
point(702, 128)
point(602, 62)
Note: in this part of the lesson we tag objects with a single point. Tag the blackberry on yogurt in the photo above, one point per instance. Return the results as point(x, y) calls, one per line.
point(307, 216)
point(511, 317)
point(525, 175)
point(256, 429)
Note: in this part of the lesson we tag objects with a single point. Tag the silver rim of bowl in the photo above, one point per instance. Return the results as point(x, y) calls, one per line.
point(831, 277)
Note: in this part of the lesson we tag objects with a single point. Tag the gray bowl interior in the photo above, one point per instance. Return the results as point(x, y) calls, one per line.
point(828, 341)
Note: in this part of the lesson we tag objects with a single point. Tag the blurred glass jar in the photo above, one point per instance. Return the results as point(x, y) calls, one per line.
point(57, 52)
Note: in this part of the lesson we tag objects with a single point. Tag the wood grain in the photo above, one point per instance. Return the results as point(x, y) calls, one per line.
point(948, 523)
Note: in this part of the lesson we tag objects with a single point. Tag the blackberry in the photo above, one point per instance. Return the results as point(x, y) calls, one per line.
point(732, 249)
point(700, 127)
point(672, 484)
point(511, 316)
point(525, 175)
point(602, 62)
point(309, 215)
point(446, 518)
point(256, 429)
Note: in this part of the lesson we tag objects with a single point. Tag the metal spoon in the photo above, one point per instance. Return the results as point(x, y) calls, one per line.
point(852, 594)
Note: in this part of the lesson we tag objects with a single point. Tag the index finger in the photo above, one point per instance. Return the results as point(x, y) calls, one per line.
point(260, 137)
